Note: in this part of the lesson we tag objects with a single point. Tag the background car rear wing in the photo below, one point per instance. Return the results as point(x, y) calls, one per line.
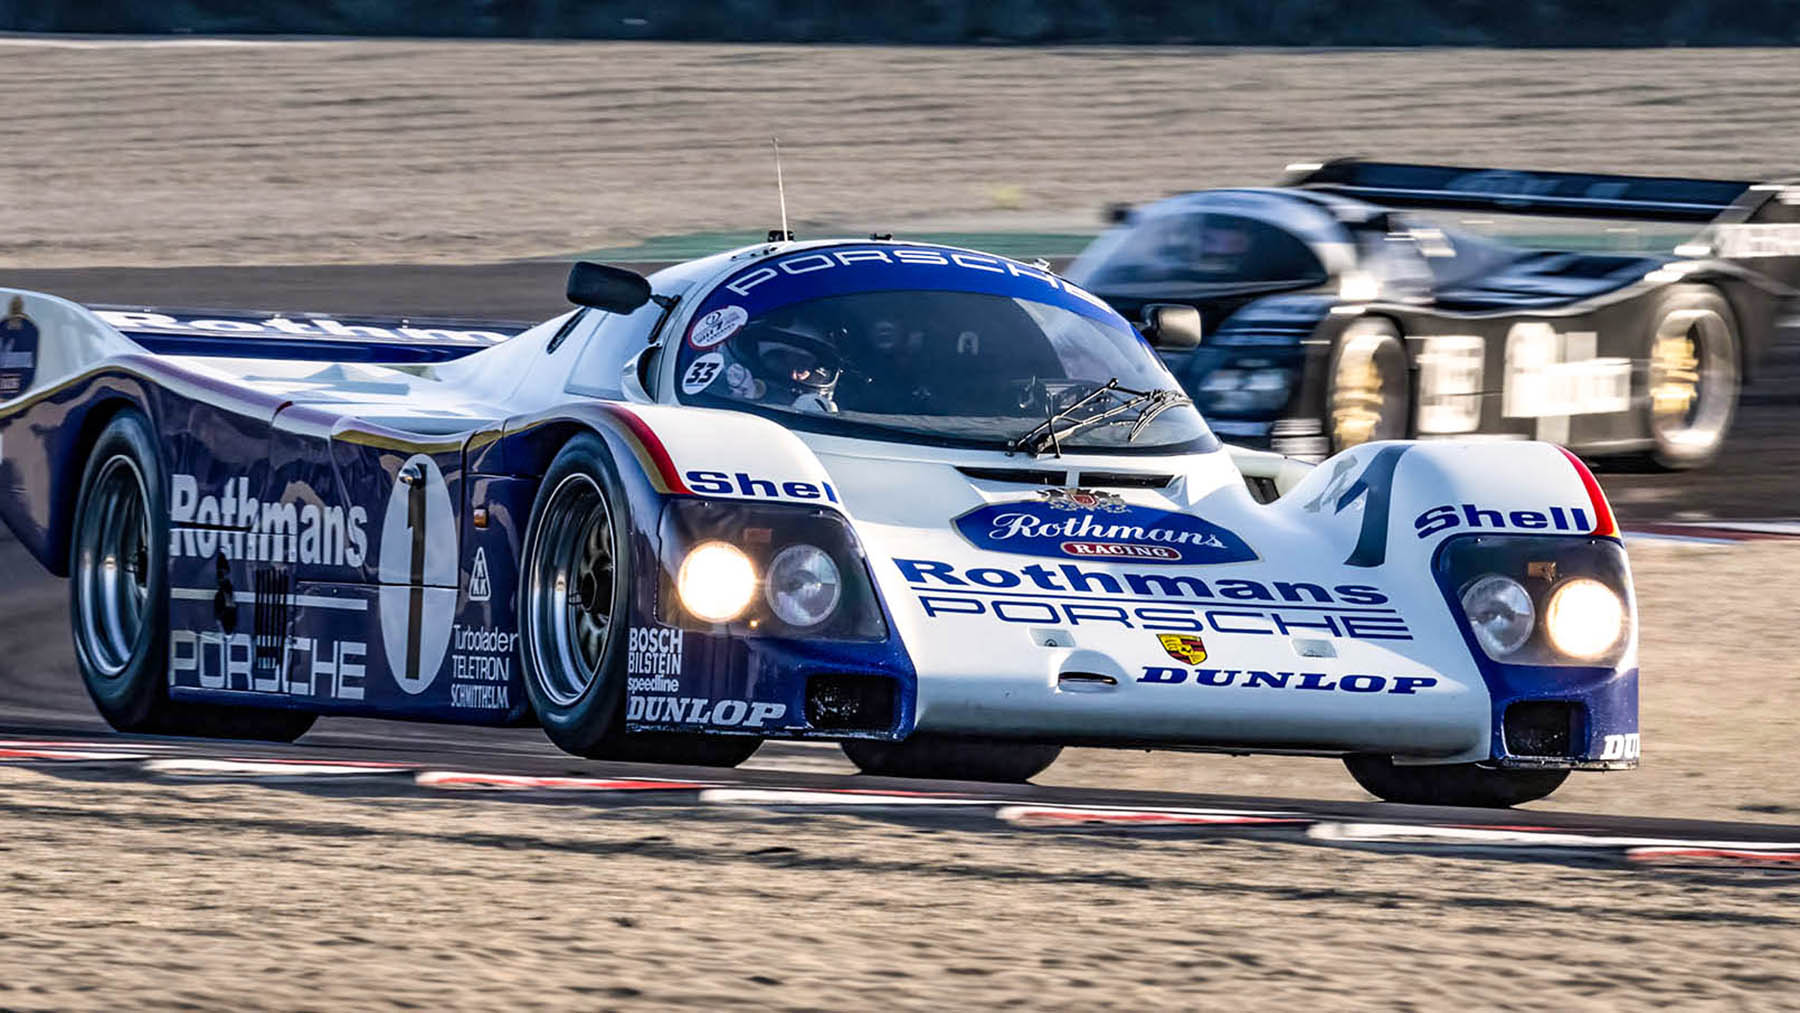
point(1510, 191)
point(306, 336)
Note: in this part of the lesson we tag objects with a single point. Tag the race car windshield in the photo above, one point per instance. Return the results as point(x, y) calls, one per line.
point(930, 365)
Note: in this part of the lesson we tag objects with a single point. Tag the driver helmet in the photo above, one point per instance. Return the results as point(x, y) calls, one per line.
point(792, 363)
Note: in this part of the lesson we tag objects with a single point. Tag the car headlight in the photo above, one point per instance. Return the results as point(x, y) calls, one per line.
point(778, 570)
point(716, 581)
point(1541, 600)
point(1500, 614)
point(1584, 618)
point(803, 586)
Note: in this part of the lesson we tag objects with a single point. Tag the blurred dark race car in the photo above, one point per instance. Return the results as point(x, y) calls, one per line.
point(1329, 317)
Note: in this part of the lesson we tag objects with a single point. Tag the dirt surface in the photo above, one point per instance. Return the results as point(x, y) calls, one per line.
point(218, 152)
point(249, 898)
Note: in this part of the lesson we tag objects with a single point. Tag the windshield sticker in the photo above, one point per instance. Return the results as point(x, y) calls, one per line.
point(1073, 523)
point(702, 372)
point(717, 326)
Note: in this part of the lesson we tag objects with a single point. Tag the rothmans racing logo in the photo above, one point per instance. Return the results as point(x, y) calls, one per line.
point(1077, 523)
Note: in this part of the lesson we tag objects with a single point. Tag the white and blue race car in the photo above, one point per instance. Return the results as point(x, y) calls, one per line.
point(944, 507)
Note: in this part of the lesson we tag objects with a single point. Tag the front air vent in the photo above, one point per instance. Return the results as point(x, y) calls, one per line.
point(851, 703)
point(1541, 728)
point(1020, 476)
point(1086, 479)
point(1123, 480)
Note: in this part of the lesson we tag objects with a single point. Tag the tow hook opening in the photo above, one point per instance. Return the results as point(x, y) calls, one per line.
point(1085, 682)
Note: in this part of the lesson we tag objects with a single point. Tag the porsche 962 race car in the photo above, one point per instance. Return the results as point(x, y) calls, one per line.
point(1367, 300)
point(944, 507)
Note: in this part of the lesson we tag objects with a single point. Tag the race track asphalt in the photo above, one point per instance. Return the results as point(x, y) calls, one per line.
point(40, 695)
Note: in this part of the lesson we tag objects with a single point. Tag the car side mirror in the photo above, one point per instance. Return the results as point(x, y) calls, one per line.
point(1171, 326)
point(608, 288)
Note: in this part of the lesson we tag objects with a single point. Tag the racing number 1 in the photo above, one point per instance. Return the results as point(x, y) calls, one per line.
point(415, 479)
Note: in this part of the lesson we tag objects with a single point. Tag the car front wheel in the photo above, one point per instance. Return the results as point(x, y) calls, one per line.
point(574, 605)
point(1459, 784)
point(951, 758)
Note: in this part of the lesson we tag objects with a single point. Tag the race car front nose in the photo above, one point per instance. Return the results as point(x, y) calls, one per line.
point(1181, 689)
point(1551, 623)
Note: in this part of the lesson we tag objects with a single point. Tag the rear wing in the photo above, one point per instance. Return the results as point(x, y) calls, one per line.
point(1509, 191)
point(306, 336)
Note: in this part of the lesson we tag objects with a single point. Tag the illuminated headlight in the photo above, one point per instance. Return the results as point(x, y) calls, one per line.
point(804, 585)
point(1584, 618)
point(1500, 614)
point(716, 581)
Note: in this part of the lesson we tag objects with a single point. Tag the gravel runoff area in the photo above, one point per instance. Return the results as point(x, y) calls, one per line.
point(207, 151)
point(192, 897)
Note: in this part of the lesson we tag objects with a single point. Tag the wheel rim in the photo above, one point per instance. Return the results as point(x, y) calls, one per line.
point(112, 569)
point(569, 590)
point(1368, 390)
point(1693, 371)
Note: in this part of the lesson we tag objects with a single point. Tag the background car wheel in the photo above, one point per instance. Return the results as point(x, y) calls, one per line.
point(574, 606)
point(1463, 784)
point(119, 599)
point(1370, 391)
point(1693, 381)
point(951, 758)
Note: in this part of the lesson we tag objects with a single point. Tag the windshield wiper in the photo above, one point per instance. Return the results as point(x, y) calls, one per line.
point(1157, 402)
point(1148, 403)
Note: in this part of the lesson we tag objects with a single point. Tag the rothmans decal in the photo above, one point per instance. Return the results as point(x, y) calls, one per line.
point(1079, 524)
point(315, 327)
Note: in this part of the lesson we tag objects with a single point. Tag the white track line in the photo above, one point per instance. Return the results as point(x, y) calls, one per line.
point(193, 767)
point(1038, 816)
point(781, 796)
point(515, 782)
point(1394, 833)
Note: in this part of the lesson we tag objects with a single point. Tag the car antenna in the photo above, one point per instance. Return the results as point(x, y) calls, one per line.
point(786, 235)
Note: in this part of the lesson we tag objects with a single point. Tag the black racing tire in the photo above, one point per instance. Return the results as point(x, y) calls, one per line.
point(1692, 377)
point(952, 758)
point(1368, 394)
point(1457, 784)
point(573, 647)
point(119, 599)
point(683, 748)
